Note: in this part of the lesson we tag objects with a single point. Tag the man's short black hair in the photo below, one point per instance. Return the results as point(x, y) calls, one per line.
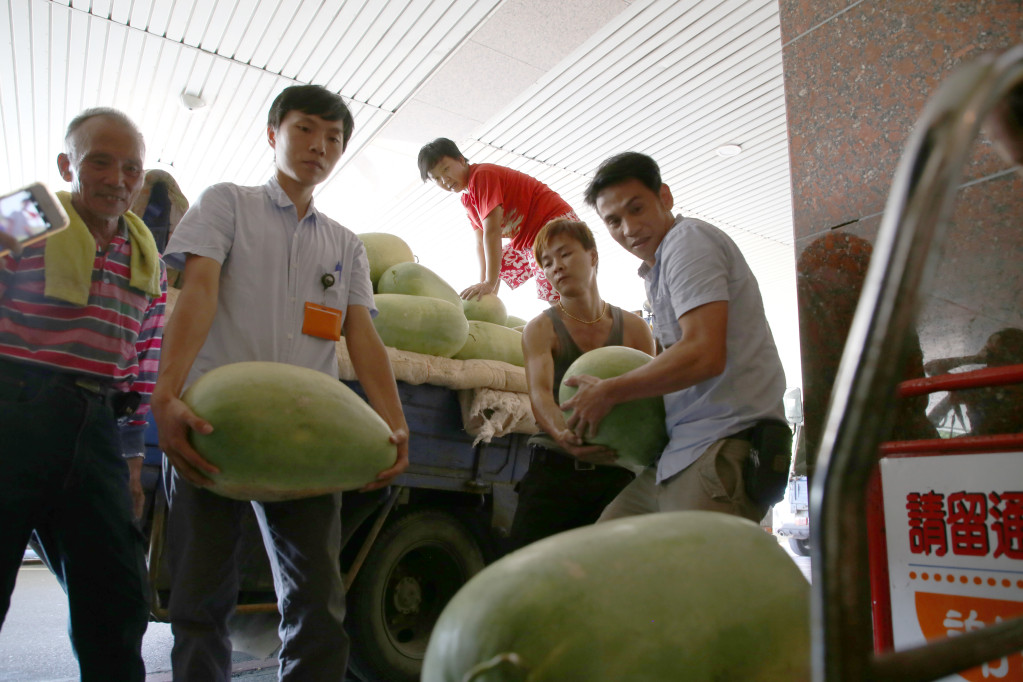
point(432, 152)
point(622, 168)
point(314, 100)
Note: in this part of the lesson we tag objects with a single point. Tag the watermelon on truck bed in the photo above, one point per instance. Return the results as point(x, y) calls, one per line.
point(487, 308)
point(489, 341)
point(384, 250)
point(421, 324)
point(415, 279)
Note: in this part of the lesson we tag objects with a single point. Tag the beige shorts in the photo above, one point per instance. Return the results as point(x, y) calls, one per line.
point(711, 483)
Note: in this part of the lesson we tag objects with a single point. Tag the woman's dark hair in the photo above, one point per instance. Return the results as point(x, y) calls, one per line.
point(432, 152)
point(314, 100)
point(622, 168)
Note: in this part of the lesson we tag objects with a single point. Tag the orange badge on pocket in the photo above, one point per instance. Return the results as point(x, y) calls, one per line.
point(322, 322)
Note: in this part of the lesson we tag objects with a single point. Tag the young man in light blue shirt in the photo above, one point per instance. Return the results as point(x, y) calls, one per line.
point(253, 257)
point(719, 373)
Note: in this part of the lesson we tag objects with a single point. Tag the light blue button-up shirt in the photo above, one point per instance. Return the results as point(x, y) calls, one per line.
point(696, 264)
point(271, 264)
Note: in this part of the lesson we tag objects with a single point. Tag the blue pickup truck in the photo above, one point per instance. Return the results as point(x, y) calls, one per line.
point(406, 549)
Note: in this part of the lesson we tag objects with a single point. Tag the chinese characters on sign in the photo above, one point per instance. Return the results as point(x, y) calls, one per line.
point(954, 534)
point(965, 522)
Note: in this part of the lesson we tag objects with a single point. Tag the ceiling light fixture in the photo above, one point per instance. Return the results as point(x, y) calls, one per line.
point(192, 102)
point(728, 150)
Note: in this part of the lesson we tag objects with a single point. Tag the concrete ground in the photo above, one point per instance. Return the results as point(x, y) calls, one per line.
point(34, 645)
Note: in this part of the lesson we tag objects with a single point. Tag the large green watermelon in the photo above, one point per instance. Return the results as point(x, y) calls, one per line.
point(282, 432)
point(384, 250)
point(635, 430)
point(488, 308)
point(421, 324)
point(489, 341)
point(693, 596)
point(416, 280)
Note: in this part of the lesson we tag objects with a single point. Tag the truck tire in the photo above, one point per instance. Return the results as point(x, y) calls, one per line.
point(414, 568)
point(800, 546)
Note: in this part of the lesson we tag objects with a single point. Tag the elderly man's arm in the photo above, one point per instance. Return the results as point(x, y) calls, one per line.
point(147, 349)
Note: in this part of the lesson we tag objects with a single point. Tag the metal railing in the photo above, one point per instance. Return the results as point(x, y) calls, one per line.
point(906, 254)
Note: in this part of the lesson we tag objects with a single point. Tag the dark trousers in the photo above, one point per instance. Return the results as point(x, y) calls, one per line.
point(303, 541)
point(556, 495)
point(61, 472)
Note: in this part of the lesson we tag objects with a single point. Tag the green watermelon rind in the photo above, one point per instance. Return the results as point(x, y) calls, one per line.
point(281, 431)
point(420, 324)
point(636, 429)
point(415, 279)
point(489, 341)
point(488, 308)
point(384, 250)
point(695, 596)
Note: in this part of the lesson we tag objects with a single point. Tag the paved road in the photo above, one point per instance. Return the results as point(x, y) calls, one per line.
point(802, 561)
point(34, 646)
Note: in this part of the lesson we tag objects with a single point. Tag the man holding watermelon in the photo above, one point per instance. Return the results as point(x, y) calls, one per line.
point(254, 260)
point(501, 203)
point(720, 373)
point(568, 483)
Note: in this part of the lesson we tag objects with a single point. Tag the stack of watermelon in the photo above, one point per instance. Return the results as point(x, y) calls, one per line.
point(420, 312)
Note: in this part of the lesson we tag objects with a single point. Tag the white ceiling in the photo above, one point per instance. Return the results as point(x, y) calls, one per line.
point(550, 87)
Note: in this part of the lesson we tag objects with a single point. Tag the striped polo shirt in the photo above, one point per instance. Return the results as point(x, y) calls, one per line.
point(115, 336)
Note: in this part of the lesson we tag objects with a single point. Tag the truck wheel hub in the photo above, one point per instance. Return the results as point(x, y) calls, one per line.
point(407, 595)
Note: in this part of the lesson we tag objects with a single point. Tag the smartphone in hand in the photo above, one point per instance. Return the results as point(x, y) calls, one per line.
point(30, 214)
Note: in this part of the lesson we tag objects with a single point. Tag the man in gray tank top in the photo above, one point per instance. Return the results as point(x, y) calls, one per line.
point(568, 484)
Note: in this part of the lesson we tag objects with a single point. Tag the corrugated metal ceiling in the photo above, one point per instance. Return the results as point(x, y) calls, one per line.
point(672, 78)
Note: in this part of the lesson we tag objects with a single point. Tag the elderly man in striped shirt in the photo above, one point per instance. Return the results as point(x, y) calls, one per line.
point(81, 320)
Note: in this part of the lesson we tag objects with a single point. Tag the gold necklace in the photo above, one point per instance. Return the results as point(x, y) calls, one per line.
point(603, 311)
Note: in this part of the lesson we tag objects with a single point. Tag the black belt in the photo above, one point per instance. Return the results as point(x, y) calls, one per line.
point(123, 403)
point(560, 460)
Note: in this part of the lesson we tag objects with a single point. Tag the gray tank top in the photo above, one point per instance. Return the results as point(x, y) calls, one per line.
point(569, 352)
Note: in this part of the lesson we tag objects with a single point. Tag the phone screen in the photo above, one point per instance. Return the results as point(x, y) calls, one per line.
point(21, 216)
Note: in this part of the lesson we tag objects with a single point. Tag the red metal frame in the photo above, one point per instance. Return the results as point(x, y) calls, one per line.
point(881, 602)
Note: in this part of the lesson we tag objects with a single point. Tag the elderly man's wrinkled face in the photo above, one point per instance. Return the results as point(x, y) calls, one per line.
point(104, 167)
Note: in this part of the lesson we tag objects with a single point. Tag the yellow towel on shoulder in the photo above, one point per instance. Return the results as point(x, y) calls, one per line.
point(70, 254)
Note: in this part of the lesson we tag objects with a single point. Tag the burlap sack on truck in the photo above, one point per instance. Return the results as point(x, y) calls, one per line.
point(492, 394)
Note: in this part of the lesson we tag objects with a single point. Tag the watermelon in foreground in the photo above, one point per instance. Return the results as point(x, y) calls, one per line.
point(283, 432)
point(695, 596)
point(635, 430)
